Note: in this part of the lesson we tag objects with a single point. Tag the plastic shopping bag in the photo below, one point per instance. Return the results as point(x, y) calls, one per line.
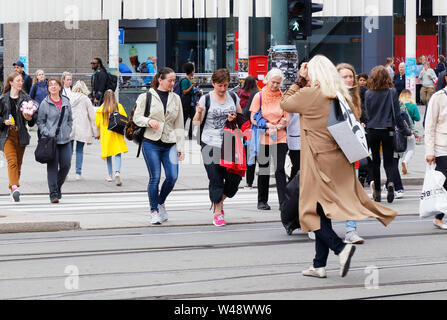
point(434, 196)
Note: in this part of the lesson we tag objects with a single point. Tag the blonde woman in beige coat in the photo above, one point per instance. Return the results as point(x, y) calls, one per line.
point(84, 128)
point(329, 188)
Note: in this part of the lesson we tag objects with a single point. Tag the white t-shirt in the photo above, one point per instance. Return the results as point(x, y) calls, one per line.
point(215, 120)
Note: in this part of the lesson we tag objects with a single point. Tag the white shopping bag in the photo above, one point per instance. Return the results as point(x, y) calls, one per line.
point(347, 131)
point(434, 196)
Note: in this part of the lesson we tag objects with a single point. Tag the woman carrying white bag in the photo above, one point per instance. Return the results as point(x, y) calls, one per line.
point(436, 143)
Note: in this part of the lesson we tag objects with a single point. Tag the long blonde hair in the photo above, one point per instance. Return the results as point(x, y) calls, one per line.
point(81, 87)
point(323, 74)
point(109, 106)
point(354, 91)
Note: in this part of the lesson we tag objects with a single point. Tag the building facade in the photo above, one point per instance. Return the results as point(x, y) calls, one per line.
point(360, 32)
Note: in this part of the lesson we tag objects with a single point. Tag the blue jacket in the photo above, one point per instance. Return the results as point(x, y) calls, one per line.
point(253, 143)
point(39, 91)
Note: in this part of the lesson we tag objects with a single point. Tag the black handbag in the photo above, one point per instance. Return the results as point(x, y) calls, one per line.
point(117, 123)
point(46, 146)
point(399, 137)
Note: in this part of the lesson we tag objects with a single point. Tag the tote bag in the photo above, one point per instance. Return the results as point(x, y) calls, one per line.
point(46, 146)
point(434, 196)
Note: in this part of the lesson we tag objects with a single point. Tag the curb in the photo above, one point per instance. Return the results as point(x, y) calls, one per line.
point(49, 226)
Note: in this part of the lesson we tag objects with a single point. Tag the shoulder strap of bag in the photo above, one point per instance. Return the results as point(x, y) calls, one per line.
point(233, 96)
point(147, 111)
point(61, 117)
point(392, 107)
point(202, 125)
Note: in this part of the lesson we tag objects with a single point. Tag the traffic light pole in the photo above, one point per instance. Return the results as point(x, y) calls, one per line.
point(279, 23)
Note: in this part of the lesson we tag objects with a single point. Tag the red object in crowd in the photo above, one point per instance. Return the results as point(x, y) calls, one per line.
point(258, 66)
point(234, 160)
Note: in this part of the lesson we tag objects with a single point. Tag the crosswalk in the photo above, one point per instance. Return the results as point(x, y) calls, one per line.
point(130, 201)
point(126, 201)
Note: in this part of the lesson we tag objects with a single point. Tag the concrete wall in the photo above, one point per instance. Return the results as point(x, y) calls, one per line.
point(54, 48)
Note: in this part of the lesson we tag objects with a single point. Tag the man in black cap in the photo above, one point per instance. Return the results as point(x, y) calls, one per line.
point(27, 81)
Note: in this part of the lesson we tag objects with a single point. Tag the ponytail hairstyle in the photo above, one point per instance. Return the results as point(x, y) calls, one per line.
point(109, 106)
point(10, 78)
point(101, 66)
point(162, 73)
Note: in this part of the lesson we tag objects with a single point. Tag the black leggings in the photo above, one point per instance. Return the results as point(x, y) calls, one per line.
point(375, 137)
point(221, 182)
point(441, 165)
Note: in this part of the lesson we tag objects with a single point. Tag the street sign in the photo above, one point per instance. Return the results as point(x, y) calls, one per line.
point(121, 36)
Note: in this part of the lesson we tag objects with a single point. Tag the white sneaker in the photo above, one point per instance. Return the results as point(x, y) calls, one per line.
point(345, 259)
point(398, 194)
point(155, 217)
point(311, 235)
point(118, 179)
point(314, 272)
point(163, 212)
point(78, 177)
point(353, 237)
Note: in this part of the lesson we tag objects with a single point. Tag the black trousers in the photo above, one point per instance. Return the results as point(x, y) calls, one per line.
point(57, 170)
point(396, 175)
point(295, 158)
point(188, 112)
point(276, 155)
point(375, 137)
point(325, 239)
point(441, 165)
point(250, 174)
point(221, 182)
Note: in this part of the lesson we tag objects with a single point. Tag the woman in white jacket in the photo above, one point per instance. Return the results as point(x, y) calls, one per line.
point(83, 122)
point(436, 139)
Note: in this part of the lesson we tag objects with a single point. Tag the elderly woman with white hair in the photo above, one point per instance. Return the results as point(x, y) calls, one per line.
point(83, 122)
point(399, 79)
point(273, 144)
point(329, 188)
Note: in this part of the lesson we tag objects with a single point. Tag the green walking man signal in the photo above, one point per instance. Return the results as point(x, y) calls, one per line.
point(299, 14)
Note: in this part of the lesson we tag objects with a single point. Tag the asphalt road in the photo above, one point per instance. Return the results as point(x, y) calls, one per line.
point(406, 260)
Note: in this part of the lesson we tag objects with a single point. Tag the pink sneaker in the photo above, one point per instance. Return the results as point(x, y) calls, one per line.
point(219, 221)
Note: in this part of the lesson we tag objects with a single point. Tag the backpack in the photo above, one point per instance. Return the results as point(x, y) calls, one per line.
point(143, 67)
point(207, 107)
point(132, 131)
point(178, 87)
point(112, 81)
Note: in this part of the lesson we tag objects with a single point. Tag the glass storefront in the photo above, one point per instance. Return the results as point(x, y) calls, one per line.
point(208, 43)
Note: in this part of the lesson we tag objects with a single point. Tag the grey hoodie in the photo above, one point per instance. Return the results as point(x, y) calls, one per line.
point(48, 118)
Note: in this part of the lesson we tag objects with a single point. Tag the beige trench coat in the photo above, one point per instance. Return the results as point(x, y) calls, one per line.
point(83, 118)
point(326, 176)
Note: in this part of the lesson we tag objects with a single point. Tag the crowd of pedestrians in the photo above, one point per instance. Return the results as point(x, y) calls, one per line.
point(258, 125)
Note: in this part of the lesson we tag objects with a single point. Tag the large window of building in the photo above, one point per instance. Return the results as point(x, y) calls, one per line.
point(208, 43)
point(340, 40)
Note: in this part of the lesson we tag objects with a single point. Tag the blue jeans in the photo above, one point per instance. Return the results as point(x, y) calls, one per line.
point(117, 164)
point(79, 154)
point(351, 225)
point(155, 156)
